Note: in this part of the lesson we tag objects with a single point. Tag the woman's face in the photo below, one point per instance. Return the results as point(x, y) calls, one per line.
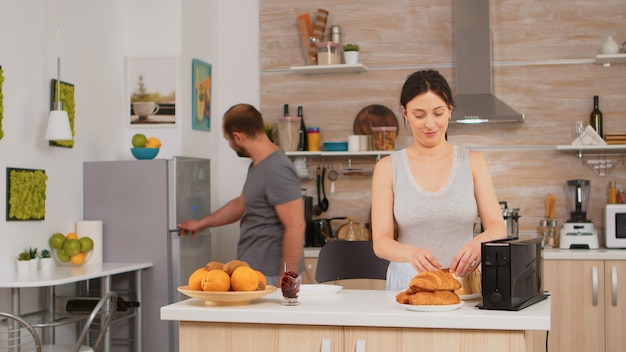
point(428, 116)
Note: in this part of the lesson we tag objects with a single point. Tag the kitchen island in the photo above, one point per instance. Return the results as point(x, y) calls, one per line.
point(354, 320)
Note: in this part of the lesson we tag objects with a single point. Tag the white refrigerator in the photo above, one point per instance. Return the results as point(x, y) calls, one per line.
point(140, 203)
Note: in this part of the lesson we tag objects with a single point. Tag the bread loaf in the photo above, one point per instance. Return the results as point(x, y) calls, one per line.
point(475, 281)
point(434, 298)
point(436, 280)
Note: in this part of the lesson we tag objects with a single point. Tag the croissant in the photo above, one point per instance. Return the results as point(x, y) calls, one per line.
point(435, 280)
point(434, 298)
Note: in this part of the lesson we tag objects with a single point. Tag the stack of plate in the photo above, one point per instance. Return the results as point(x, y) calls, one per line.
point(615, 138)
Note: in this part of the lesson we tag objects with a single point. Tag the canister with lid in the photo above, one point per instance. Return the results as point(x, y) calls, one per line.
point(335, 34)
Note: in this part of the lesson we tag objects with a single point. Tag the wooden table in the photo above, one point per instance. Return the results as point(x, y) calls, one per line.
point(66, 275)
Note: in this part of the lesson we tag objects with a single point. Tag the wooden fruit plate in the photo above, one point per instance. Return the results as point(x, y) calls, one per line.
point(230, 298)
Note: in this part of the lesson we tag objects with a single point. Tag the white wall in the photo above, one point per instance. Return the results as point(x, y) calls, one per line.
point(96, 38)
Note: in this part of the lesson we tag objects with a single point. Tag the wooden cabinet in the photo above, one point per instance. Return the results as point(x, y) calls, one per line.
point(201, 336)
point(588, 304)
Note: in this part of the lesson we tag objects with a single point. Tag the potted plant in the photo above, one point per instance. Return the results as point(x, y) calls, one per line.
point(351, 53)
point(23, 262)
point(46, 260)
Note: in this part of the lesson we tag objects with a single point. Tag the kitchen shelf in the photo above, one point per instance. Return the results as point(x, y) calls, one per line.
point(608, 59)
point(324, 69)
point(589, 150)
point(377, 153)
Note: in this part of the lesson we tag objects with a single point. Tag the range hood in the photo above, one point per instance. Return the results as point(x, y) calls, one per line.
point(475, 102)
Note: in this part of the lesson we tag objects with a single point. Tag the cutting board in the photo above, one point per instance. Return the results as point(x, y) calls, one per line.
point(374, 116)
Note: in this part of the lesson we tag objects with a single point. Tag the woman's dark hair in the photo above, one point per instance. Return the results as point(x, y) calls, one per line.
point(243, 118)
point(421, 82)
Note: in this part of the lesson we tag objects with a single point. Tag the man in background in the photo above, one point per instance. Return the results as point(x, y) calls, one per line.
point(270, 205)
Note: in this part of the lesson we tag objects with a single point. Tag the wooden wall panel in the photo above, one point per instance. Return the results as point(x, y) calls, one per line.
point(543, 53)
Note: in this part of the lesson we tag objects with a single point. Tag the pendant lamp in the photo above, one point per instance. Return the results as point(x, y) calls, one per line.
point(58, 121)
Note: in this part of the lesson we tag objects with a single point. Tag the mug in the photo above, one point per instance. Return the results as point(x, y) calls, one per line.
point(145, 108)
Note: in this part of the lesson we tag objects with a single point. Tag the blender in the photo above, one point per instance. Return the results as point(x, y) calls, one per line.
point(578, 232)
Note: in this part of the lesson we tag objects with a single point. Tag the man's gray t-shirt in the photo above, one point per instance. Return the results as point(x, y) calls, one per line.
point(271, 182)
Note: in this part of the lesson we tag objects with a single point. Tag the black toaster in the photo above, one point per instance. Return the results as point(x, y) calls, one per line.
point(511, 273)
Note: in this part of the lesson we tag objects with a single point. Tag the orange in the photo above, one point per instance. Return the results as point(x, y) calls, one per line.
point(215, 280)
point(262, 280)
point(244, 278)
point(78, 258)
point(195, 279)
point(71, 236)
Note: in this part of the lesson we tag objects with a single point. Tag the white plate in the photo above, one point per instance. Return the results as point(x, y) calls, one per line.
point(444, 308)
point(318, 290)
point(471, 296)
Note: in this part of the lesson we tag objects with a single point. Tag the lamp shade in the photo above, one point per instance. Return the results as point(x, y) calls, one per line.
point(58, 126)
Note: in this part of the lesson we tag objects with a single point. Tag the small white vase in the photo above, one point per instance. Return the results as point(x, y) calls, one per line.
point(33, 265)
point(23, 266)
point(352, 57)
point(46, 264)
point(609, 46)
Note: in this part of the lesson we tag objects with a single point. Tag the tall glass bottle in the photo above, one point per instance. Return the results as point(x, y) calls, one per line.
point(595, 118)
point(303, 145)
point(286, 110)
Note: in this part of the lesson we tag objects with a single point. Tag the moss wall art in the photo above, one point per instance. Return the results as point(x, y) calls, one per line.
point(26, 194)
point(67, 98)
point(1, 99)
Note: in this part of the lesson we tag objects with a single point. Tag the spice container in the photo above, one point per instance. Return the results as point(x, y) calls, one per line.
point(328, 53)
point(384, 138)
point(612, 193)
point(313, 134)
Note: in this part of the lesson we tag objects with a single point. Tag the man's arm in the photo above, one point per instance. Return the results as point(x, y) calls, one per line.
point(291, 214)
point(229, 213)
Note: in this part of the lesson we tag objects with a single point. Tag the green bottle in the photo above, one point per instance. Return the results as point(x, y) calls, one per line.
point(596, 117)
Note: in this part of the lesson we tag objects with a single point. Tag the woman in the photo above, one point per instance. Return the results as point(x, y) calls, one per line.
point(433, 190)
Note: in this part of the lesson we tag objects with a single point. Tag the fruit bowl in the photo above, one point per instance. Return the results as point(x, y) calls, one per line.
point(74, 261)
point(144, 153)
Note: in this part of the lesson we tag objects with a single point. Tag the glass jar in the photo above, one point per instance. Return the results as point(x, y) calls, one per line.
point(328, 53)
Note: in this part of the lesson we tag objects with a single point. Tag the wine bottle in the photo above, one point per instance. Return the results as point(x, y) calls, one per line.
point(303, 145)
point(596, 117)
point(286, 110)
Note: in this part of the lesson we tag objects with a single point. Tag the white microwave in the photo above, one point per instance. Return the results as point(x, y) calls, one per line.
point(615, 225)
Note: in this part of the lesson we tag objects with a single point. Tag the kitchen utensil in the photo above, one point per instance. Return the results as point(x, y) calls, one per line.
point(373, 116)
point(550, 206)
point(332, 176)
point(306, 34)
point(324, 204)
point(319, 25)
point(323, 231)
point(308, 218)
point(578, 232)
point(317, 209)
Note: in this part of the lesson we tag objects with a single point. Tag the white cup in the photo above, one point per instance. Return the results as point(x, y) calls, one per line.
point(353, 143)
point(365, 142)
point(144, 109)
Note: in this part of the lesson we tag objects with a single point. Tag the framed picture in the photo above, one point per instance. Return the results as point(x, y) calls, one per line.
point(26, 194)
point(152, 91)
point(69, 105)
point(201, 95)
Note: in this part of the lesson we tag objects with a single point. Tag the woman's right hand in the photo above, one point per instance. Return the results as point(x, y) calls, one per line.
point(422, 259)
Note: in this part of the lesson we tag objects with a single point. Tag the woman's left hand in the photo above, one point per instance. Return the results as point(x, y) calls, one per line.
point(467, 259)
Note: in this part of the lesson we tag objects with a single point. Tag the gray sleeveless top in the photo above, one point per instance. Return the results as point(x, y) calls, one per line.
point(440, 221)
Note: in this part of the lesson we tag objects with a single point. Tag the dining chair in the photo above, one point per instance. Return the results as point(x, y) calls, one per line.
point(98, 321)
point(350, 260)
point(16, 334)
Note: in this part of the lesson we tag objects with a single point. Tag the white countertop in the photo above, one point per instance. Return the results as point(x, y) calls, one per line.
point(583, 254)
point(65, 274)
point(373, 308)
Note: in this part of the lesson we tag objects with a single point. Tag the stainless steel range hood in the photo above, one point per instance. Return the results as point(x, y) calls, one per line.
point(475, 102)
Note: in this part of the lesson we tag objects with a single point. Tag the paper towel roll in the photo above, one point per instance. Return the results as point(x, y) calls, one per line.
point(92, 229)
